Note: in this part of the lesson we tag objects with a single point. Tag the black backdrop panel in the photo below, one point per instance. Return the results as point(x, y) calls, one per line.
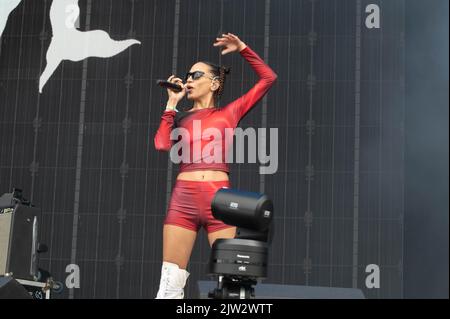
point(90, 164)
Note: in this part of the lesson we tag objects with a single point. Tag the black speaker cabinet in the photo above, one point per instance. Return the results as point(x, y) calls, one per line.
point(11, 289)
point(18, 242)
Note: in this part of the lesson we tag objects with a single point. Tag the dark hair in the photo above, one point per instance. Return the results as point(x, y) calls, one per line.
point(221, 72)
point(216, 70)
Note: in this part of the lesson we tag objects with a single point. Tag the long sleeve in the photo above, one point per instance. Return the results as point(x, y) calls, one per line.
point(162, 138)
point(267, 78)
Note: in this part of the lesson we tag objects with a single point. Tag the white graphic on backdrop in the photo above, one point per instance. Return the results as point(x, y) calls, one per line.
point(70, 44)
point(6, 7)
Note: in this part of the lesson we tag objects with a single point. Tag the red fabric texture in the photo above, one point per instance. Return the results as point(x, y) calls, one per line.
point(190, 205)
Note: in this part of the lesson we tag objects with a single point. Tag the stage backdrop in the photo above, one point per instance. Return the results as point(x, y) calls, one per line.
point(83, 152)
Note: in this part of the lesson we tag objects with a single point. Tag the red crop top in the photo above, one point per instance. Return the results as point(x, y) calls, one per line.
point(206, 127)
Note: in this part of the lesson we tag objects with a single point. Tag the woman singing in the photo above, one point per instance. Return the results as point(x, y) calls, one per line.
point(199, 178)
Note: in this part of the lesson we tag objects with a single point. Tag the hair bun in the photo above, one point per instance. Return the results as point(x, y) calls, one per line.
point(226, 70)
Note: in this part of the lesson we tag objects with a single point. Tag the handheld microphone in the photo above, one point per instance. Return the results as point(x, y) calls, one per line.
point(169, 85)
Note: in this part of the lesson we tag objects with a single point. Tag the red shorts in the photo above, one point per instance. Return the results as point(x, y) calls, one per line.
point(190, 205)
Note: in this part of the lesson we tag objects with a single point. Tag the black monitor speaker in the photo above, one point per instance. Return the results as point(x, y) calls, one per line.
point(18, 239)
point(276, 291)
point(11, 289)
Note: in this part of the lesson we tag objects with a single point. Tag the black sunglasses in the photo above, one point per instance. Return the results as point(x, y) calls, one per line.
point(196, 75)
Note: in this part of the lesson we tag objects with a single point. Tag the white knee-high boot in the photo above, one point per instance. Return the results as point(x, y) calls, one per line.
point(173, 280)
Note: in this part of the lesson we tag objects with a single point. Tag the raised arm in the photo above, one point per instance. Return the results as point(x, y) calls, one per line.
point(267, 78)
point(162, 139)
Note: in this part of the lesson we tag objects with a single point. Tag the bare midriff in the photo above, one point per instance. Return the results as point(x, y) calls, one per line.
point(203, 176)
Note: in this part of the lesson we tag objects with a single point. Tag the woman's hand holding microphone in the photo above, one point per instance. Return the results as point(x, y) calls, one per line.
point(175, 97)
